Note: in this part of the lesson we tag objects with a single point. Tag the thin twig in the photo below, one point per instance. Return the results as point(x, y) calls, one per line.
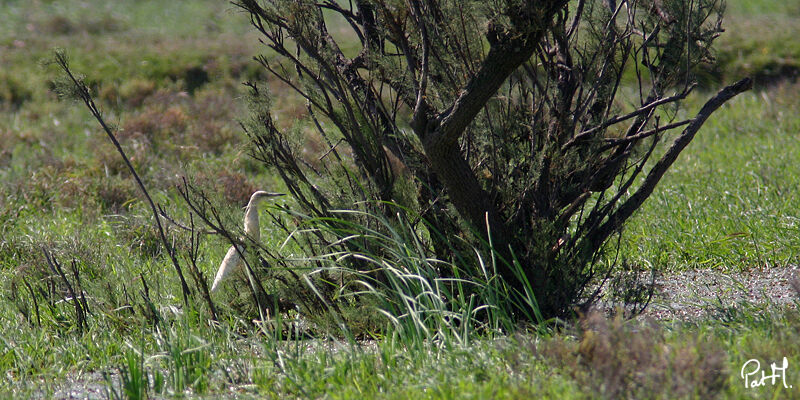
point(199, 278)
point(645, 134)
point(86, 97)
point(617, 119)
point(55, 267)
point(180, 225)
point(618, 218)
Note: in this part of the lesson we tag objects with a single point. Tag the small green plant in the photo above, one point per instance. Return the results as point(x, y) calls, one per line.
point(185, 359)
point(133, 381)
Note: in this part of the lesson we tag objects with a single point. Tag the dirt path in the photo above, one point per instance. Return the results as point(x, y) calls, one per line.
point(693, 294)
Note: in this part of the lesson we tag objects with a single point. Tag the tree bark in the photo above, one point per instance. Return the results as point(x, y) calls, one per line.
point(440, 133)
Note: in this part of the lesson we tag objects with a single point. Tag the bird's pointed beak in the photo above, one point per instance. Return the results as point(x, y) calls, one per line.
point(264, 193)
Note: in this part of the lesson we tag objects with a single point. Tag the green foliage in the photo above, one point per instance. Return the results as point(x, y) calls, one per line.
point(540, 171)
point(730, 203)
point(64, 189)
point(187, 360)
point(133, 379)
point(422, 299)
point(769, 61)
point(13, 93)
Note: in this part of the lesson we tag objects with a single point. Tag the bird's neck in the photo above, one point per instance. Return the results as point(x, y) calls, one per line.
point(251, 226)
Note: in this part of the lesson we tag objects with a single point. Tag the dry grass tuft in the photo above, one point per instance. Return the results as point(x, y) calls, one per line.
point(626, 359)
point(115, 193)
point(156, 124)
point(130, 94)
point(176, 121)
point(13, 93)
point(234, 186)
point(61, 25)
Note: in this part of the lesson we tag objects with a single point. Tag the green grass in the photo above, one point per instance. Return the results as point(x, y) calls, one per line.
point(760, 41)
point(729, 203)
point(730, 200)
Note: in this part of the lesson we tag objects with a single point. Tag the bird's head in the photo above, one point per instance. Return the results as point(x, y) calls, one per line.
point(261, 194)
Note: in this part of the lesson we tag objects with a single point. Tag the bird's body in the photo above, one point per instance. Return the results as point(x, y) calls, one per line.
point(233, 258)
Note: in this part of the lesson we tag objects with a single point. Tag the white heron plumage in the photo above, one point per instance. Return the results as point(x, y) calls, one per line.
point(233, 258)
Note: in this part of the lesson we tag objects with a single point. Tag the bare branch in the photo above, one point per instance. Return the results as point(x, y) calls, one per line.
point(504, 57)
point(617, 119)
point(625, 211)
point(421, 108)
point(180, 225)
point(642, 135)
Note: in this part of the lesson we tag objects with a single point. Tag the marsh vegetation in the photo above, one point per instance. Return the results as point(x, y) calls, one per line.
point(90, 300)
